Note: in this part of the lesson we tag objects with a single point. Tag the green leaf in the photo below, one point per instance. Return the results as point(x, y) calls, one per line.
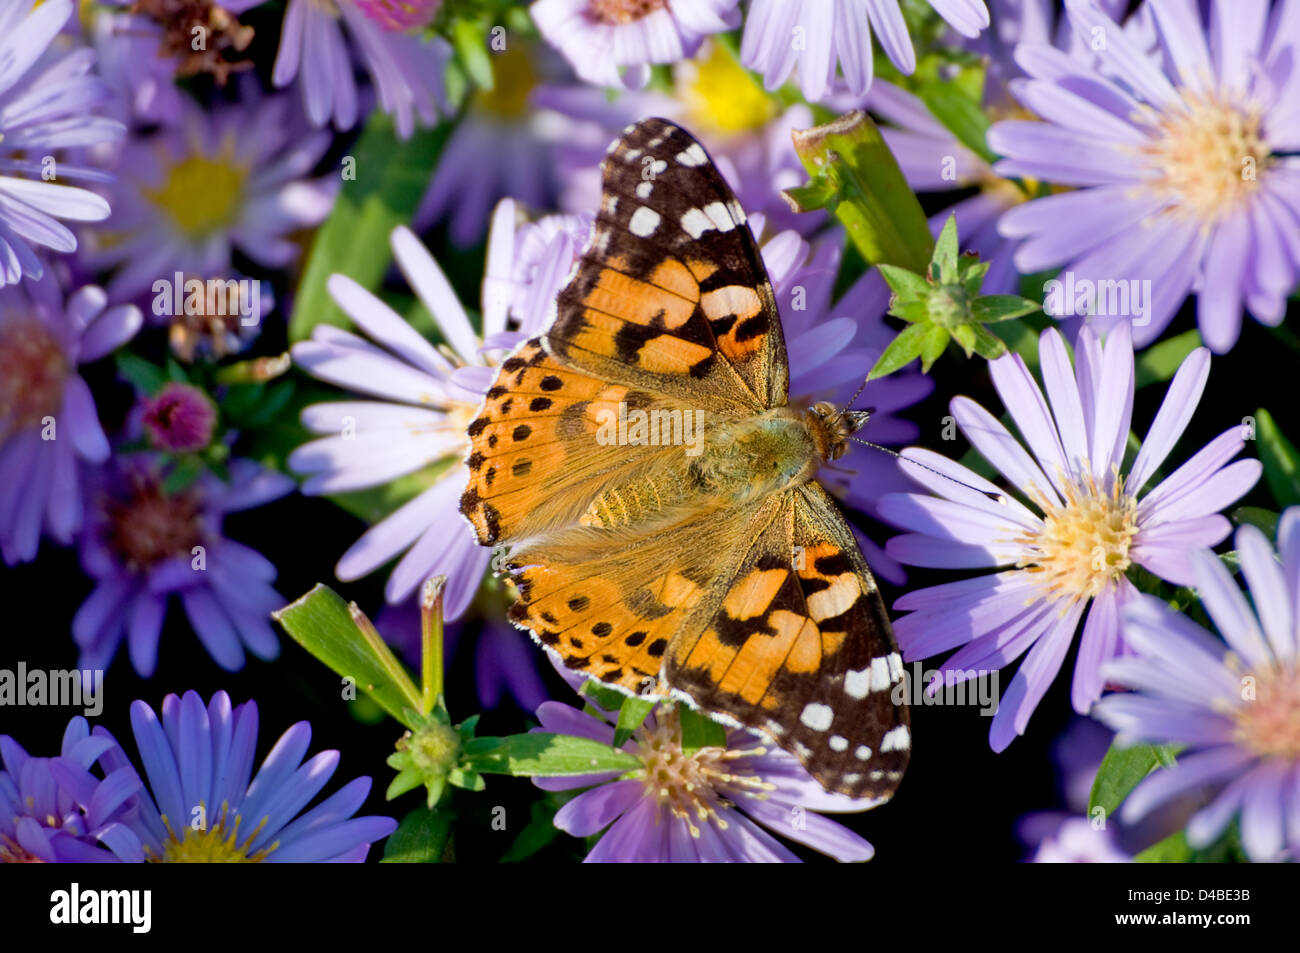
point(631, 715)
point(537, 833)
point(322, 623)
point(472, 51)
point(1281, 462)
point(1161, 361)
point(1120, 772)
point(607, 698)
point(390, 178)
point(880, 212)
point(1174, 849)
point(901, 351)
point(987, 344)
point(540, 754)
point(943, 265)
point(699, 731)
point(1262, 519)
point(904, 283)
point(936, 339)
point(989, 309)
point(421, 838)
point(961, 115)
point(186, 470)
point(144, 376)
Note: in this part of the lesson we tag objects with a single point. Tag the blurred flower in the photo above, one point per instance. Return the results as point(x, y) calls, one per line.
point(428, 396)
point(1233, 709)
point(614, 42)
point(1090, 523)
point(204, 809)
point(816, 35)
point(145, 542)
point(710, 805)
point(45, 104)
point(178, 419)
point(152, 42)
point(1182, 165)
point(1076, 841)
point(48, 419)
point(406, 68)
point(56, 810)
point(524, 138)
point(192, 194)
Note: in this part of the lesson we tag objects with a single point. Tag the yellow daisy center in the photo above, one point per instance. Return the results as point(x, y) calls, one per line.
point(1269, 724)
point(623, 11)
point(202, 195)
point(213, 844)
point(33, 370)
point(687, 786)
point(1207, 155)
point(721, 96)
point(513, 80)
point(1083, 544)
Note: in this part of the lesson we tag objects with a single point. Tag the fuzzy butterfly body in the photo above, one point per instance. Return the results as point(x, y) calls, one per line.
point(658, 495)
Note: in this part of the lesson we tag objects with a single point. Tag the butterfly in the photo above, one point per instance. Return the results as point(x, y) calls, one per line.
point(657, 494)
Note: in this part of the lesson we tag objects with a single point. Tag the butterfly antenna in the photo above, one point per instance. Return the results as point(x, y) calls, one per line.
point(996, 497)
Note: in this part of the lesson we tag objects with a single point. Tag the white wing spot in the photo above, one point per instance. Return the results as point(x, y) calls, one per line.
point(721, 218)
point(817, 716)
point(895, 667)
point(692, 155)
point(862, 752)
point(857, 683)
point(644, 189)
point(880, 675)
point(897, 739)
point(839, 743)
point(644, 221)
point(695, 223)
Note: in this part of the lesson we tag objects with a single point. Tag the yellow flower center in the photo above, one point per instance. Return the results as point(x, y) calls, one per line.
point(213, 844)
point(33, 370)
point(623, 11)
point(513, 81)
point(1269, 723)
point(687, 786)
point(1207, 155)
point(201, 194)
point(721, 96)
point(1083, 544)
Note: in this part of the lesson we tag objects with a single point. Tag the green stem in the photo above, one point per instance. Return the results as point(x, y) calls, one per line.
point(431, 642)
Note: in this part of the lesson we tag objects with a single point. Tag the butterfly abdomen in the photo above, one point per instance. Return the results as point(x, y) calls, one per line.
point(753, 457)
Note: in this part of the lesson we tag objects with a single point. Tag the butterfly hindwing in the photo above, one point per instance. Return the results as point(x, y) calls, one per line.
point(801, 649)
point(671, 293)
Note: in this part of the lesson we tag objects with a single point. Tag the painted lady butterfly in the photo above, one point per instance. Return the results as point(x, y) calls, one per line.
point(657, 492)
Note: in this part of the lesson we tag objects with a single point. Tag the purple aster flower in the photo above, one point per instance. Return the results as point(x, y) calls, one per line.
point(406, 68)
point(818, 35)
point(58, 810)
point(204, 809)
point(1075, 841)
point(194, 193)
point(143, 544)
point(525, 138)
point(1087, 520)
point(48, 420)
point(1234, 708)
point(614, 42)
point(45, 105)
point(427, 396)
point(712, 805)
point(179, 419)
point(1180, 165)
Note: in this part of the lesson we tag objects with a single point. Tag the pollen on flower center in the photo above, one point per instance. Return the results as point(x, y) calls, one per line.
point(146, 525)
point(688, 786)
point(1083, 544)
point(623, 11)
point(33, 370)
point(1207, 156)
point(202, 195)
point(204, 842)
point(721, 96)
point(1270, 723)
